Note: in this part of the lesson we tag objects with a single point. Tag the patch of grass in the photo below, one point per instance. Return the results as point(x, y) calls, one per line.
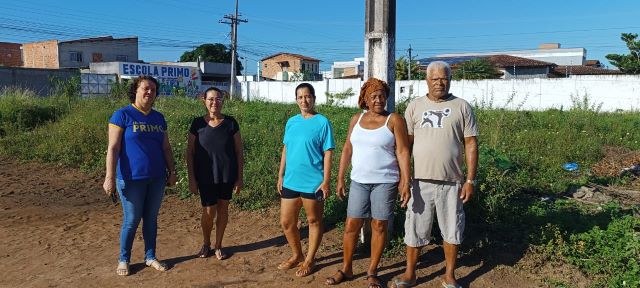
point(518, 201)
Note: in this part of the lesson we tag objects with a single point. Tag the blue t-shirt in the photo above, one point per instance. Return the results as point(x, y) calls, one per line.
point(141, 154)
point(306, 140)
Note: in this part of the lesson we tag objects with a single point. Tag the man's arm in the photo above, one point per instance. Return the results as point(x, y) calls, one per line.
point(471, 157)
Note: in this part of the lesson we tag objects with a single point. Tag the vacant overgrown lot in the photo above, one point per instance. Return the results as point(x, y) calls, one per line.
point(521, 203)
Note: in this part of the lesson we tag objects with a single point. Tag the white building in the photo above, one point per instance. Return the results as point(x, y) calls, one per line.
point(348, 69)
point(546, 52)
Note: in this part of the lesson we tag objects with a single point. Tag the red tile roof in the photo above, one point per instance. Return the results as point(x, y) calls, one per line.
point(583, 70)
point(292, 55)
point(510, 61)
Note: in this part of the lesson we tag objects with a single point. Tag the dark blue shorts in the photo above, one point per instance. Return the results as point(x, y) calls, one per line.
point(291, 194)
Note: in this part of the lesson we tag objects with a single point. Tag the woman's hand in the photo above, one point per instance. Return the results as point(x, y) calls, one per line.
point(340, 191)
point(238, 185)
point(172, 179)
point(109, 185)
point(193, 186)
point(279, 185)
point(326, 189)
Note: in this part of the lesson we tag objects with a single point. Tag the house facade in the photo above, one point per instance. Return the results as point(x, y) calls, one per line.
point(290, 67)
point(79, 53)
point(10, 54)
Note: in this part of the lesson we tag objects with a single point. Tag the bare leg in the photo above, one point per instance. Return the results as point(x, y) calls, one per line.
point(412, 260)
point(351, 232)
point(378, 234)
point(450, 256)
point(206, 222)
point(221, 221)
point(314, 210)
point(289, 210)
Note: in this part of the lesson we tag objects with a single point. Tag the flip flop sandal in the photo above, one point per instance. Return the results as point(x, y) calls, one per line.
point(220, 254)
point(157, 265)
point(373, 284)
point(397, 283)
point(446, 285)
point(286, 265)
point(123, 269)
point(305, 271)
point(205, 251)
point(333, 280)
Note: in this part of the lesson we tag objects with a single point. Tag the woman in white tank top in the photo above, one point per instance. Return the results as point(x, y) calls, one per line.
point(377, 146)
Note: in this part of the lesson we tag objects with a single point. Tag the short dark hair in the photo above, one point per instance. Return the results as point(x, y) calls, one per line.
point(136, 83)
point(308, 86)
point(204, 95)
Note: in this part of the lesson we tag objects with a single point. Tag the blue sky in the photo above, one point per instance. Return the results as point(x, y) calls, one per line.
point(330, 30)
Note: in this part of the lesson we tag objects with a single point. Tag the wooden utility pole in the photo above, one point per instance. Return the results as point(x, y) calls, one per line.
point(380, 44)
point(233, 21)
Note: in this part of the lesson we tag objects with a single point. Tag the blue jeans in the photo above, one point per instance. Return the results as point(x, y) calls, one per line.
point(140, 199)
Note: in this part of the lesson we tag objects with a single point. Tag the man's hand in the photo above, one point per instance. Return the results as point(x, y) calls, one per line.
point(466, 192)
point(109, 185)
point(405, 193)
point(172, 179)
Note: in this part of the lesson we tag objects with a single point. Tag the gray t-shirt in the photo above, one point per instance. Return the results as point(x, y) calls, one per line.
point(439, 129)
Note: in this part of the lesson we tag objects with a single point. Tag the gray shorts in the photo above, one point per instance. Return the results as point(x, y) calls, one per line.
point(371, 200)
point(427, 197)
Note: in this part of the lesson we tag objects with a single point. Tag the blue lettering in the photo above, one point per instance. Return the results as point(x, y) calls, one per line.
point(138, 69)
point(170, 71)
point(132, 69)
point(125, 69)
point(155, 70)
point(164, 70)
point(144, 70)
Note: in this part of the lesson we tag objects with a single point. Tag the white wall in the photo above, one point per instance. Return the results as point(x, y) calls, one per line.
point(613, 91)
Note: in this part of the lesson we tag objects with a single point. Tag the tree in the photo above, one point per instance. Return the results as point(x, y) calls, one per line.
point(212, 53)
point(629, 63)
point(401, 70)
point(479, 68)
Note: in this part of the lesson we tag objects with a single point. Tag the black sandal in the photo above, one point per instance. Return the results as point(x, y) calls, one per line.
point(333, 280)
point(377, 282)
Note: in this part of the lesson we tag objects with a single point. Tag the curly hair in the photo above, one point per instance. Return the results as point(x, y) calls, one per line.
point(136, 83)
point(372, 85)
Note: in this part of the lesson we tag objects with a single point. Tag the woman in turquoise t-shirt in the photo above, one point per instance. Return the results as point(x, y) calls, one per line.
point(303, 178)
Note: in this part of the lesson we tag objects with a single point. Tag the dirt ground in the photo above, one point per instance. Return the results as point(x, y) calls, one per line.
point(58, 229)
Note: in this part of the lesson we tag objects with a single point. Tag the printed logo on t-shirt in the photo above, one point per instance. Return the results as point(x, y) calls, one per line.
point(143, 127)
point(434, 118)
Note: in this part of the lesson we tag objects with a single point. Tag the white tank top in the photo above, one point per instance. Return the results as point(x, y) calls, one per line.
point(374, 155)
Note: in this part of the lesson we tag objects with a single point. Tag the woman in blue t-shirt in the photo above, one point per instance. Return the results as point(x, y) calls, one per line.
point(214, 162)
point(303, 178)
point(139, 165)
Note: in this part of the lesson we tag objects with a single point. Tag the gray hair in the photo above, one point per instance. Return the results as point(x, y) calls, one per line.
point(439, 65)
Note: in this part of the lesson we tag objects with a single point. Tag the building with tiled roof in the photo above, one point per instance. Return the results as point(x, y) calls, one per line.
point(568, 70)
point(290, 67)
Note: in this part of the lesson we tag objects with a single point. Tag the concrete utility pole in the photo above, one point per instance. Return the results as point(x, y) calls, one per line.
point(234, 21)
point(380, 44)
point(409, 66)
point(380, 62)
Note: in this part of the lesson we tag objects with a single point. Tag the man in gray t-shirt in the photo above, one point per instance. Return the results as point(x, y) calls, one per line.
point(442, 128)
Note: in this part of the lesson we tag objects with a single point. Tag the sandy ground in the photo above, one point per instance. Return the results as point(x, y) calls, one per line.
point(58, 229)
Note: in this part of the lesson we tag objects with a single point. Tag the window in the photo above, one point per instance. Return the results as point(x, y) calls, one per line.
point(122, 58)
point(75, 56)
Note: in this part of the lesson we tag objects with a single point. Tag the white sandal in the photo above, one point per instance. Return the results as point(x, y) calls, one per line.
point(160, 266)
point(122, 269)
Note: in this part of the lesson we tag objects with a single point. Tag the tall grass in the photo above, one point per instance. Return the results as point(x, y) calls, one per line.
point(521, 154)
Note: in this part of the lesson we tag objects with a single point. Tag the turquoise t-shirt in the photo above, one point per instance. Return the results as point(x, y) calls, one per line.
point(306, 140)
point(141, 155)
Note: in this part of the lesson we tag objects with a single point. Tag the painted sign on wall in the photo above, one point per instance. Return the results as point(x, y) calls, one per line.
point(171, 78)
